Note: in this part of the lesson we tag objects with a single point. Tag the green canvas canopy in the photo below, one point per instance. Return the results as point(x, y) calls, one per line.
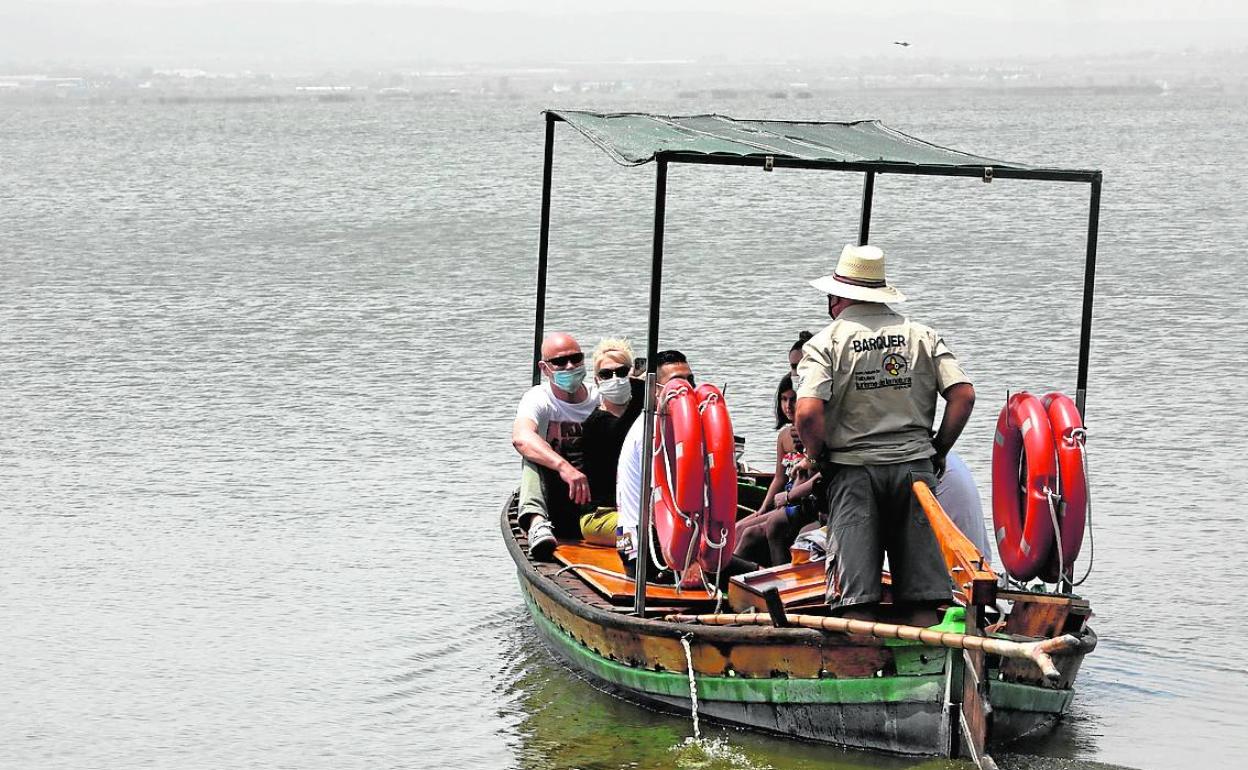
point(634, 138)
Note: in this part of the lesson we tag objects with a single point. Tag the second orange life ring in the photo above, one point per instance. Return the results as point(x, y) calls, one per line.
point(1024, 475)
point(1068, 439)
point(679, 472)
point(695, 472)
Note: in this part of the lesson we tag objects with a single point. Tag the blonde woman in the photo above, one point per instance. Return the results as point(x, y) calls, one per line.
point(605, 429)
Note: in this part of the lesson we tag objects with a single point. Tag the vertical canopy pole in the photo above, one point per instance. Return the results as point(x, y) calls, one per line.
point(1089, 281)
point(543, 247)
point(652, 350)
point(864, 219)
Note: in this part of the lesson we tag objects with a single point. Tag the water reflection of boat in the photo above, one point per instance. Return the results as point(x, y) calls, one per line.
point(1001, 665)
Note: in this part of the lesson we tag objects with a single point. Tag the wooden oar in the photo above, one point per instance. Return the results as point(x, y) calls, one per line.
point(1038, 652)
point(965, 563)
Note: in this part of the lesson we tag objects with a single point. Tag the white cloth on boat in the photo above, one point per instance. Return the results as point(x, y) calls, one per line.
point(958, 495)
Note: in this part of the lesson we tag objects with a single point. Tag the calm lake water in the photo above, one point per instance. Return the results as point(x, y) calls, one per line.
point(258, 365)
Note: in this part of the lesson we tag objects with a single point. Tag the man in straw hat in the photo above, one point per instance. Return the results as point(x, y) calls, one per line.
point(865, 410)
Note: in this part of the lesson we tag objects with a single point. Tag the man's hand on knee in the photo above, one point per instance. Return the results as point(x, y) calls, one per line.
point(578, 483)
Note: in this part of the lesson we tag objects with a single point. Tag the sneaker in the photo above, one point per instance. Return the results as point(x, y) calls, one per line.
point(541, 540)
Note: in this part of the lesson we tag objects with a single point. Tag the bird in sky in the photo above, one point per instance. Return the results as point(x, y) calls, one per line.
point(902, 43)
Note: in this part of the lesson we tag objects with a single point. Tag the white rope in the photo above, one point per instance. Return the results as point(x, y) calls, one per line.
point(1052, 497)
point(1080, 435)
point(657, 451)
point(713, 588)
point(693, 541)
point(654, 557)
point(650, 541)
point(719, 566)
point(595, 568)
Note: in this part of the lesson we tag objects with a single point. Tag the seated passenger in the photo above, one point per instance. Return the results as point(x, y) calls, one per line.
point(621, 402)
point(765, 537)
point(795, 353)
point(671, 364)
point(554, 490)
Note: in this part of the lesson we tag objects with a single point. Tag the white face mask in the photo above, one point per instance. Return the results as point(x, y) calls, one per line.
point(616, 390)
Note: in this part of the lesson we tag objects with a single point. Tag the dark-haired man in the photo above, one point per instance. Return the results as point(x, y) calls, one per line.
point(548, 434)
point(670, 364)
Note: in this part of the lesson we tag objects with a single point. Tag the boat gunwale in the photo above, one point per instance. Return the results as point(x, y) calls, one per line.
point(670, 629)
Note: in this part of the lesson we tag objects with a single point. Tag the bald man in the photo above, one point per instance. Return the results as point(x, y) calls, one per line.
point(548, 433)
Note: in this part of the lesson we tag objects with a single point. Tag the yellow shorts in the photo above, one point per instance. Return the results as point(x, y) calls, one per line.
point(598, 527)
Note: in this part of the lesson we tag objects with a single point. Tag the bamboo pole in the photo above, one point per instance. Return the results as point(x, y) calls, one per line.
point(1037, 652)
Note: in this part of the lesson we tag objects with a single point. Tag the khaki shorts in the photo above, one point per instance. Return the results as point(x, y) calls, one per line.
point(872, 510)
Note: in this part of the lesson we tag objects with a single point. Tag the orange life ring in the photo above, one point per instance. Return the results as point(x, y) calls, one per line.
point(1024, 474)
point(719, 533)
point(1068, 439)
point(695, 471)
point(679, 473)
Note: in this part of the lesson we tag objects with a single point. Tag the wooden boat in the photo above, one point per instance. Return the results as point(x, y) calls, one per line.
point(851, 690)
point(767, 655)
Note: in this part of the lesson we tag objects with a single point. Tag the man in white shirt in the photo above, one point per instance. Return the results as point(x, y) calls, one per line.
point(548, 435)
point(670, 364)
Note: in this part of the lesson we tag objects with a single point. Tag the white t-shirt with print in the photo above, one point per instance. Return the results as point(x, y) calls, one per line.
point(552, 415)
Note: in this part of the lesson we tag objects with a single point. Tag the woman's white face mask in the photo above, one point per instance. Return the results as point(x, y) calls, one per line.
point(616, 390)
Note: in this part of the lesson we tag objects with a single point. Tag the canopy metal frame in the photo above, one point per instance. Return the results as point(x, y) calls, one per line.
point(870, 170)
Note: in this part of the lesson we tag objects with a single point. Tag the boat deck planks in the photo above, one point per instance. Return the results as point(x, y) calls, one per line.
point(619, 590)
point(616, 594)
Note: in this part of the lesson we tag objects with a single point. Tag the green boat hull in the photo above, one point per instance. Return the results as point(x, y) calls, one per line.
point(900, 714)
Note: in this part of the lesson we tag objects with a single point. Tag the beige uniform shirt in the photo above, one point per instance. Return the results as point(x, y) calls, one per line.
point(879, 374)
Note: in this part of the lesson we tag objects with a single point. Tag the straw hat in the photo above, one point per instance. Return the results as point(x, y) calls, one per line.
point(859, 275)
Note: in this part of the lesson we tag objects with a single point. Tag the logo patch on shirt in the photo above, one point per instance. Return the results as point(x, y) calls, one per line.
point(895, 364)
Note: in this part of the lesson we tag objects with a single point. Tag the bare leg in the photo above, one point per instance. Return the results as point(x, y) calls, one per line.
point(752, 543)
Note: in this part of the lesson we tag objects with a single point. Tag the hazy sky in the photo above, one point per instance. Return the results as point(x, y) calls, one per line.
point(277, 34)
point(1031, 9)
point(999, 9)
